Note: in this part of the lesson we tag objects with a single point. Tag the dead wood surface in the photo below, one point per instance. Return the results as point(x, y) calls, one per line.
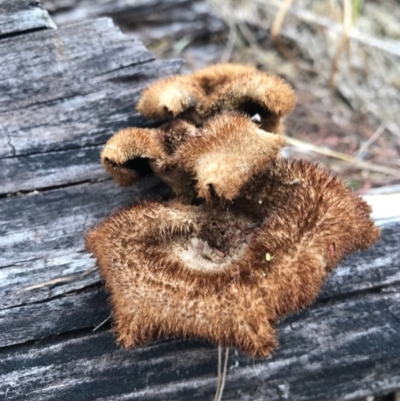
point(22, 16)
point(63, 93)
point(149, 19)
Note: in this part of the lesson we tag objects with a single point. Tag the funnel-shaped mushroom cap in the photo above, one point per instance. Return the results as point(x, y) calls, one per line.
point(260, 96)
point(134, 153)
point(227, 276)
point(213, 77)
point(258, 89)
point(173, 96)
point(170, 97)
point(128, 154)
point(224, 87)
point(229, 151)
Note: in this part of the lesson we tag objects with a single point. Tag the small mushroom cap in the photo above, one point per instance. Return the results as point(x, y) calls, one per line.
point(264, 98)
point(126, 154)
point(169, 97)
point(222, 87)
point(228, 152)
point(211, 78)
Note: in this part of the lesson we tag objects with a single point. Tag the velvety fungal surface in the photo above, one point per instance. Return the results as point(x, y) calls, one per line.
point(247, 237)
point(218, 88)
point(227, 274)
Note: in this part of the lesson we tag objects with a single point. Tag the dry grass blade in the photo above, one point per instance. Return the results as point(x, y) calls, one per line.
point(344, 40)
point(277, 24)
point(223, 11)
point(363, 148)
point(221, 384)
point(335, 11)
point(302, 145)
point(219, 373)
point(230, 44)
point(101, 324)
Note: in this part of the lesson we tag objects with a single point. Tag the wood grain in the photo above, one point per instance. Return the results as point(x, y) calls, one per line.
point(56, 112)
point(40, 171)
point(323, 355)
point(82, 87)
point(42, 236)
point(22, 16)
point(173, 18)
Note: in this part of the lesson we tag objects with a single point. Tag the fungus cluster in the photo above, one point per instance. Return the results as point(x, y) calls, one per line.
point(247, 235)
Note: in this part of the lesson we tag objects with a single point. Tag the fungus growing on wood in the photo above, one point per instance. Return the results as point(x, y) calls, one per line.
point(228, 100)
point(134, 153)
point(229, 151)
point(228, 275)
point(222, 155)
point(212, 90)
point(249, 236)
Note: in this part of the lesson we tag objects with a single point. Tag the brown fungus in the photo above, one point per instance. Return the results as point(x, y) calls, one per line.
point(230, 152)
point(129, 154)
point(134, 153)
point(262, 244)
point(214, 160)
point(165, 278)
point(228, 100)
point(225, 87)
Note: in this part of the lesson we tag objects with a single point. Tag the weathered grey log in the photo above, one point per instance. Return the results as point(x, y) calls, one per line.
point(63, 93)
point(91, 67)
point(323, 355)
point(40, 171)
point(22, 16)
point(149, 19)
point(42, 237)
point(54, 112)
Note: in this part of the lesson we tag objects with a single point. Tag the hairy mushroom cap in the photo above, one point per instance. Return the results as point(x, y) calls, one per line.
point(211, 78)
point(177, 132)
point(264, 98)
point(130, 154)
point(170, 97)
point(223, 87)
point(227, 152)
point(224, 276)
